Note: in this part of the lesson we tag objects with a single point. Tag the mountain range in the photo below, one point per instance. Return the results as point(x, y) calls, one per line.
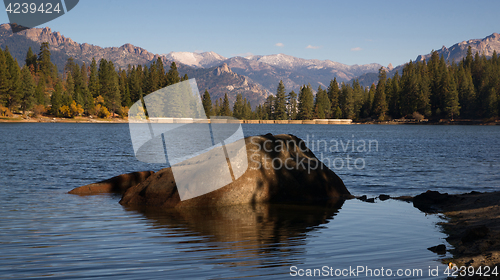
point(268, 70)
point(255, 77)
point(455, 53)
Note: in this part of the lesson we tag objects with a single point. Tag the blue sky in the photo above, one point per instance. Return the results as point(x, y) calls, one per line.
point(350, 32)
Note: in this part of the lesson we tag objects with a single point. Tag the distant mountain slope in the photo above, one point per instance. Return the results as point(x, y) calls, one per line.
point(458, 51)
point(62, 48)
point(268, 70)
point(221, 79)
point(342, 71)
point(203, 60)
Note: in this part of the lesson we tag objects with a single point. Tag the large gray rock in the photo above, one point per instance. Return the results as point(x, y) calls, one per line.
point(304, 179)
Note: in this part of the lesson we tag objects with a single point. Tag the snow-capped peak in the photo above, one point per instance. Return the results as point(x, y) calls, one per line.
point(204, 59)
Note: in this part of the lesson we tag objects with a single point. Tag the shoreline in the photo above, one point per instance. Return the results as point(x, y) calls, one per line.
point(472, 223)
point(49, 119)
point(60, 120)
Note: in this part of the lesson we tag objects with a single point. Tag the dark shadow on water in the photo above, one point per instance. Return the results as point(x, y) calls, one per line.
point(247, 234)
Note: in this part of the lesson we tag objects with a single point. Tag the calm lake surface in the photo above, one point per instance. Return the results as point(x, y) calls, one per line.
point(47, 233)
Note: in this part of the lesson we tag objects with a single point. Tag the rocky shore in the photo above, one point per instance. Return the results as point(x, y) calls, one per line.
point(472, 223)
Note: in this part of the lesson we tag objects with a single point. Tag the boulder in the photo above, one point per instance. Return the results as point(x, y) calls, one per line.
point(430, 201)
point(281, 169)
point(117, 184)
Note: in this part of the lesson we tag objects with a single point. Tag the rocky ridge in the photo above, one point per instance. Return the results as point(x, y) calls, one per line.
point(485, 46)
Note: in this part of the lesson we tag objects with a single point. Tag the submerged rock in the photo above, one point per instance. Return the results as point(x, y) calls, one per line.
point(117, 184)
point(439, 249)
point(280, 169)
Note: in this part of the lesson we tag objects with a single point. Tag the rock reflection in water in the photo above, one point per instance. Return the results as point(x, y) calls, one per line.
point(244, 233)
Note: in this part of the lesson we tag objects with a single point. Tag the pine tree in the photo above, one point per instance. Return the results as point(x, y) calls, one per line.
point(104, 75)
point(409, 90)
point(247, 109)
point(333, 94)
point(74, 70)
point(423, 82)
point(260, 113)
point(489, 102)
point(31, 59)
point(238, 107)
point(173, 75)
point(134, 84)
point(124, 89)
point(394, 97)
point(85, 92)
point(466, 93)
point(292, 106)
point(217, 107)
point(306, 103)
point(4, 79)
point(56, 98)
point(280, 103)
point(379, 100)
point(346, 101)
point(493, 108)
point(109, 86)
point(27, 90)
point(84, 72)
point(45, 64)
point(69, 92)
point(450, 93)
point(436, 68)
point(337, 113)
point(468, 58)
point(225, 108)
point(145, 81)
point(114, 96)
point(160, 68)
point(40, 92)
point(153, 79)
point(207, 104)
point(268, 108)
point(366, 111)
point(13, 95)
point(94, 79)
point(322, 103)
point(358, 97)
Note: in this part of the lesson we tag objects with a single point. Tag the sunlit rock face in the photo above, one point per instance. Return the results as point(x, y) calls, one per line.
point(280, 169)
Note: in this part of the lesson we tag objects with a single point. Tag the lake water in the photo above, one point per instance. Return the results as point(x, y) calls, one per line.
point(45, 232)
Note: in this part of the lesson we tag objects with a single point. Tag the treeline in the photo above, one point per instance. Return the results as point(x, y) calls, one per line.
point(92, 90)
point(433, 89)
